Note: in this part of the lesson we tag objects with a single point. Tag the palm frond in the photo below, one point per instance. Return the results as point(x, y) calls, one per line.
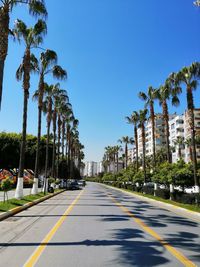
point(59, 72)
point(37, 8)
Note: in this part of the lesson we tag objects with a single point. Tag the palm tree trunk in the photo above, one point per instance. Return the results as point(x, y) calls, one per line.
point(19, 189)
point(190, 104)
point(40, 103)
point(179, 152)
point(54, 144)
point(166, 122)
point(190, 148)
point(47, 155)
point(26, 86)
point(126, 155)
point(136, 146)
point(58, 154)
point(117, 162)
point(36, 172)
point(144, 152)
point(153, 134)
point(4, 31)
point(63, 138)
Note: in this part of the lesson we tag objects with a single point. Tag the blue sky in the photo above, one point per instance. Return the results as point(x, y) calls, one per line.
point(112, 49)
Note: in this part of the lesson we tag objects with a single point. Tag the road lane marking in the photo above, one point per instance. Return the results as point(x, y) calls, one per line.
point(38, 251)
point(184, 260)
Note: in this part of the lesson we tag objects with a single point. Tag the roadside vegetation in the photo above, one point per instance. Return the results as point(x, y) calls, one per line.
point(59, 154)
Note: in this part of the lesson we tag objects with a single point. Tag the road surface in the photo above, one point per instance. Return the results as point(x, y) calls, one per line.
point(99, 226)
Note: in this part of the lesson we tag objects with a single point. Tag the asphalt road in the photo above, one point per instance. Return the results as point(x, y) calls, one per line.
point(96, 227)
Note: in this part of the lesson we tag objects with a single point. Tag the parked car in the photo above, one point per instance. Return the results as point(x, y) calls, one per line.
point(72, 185)
point(190, 190)
point(81, 183)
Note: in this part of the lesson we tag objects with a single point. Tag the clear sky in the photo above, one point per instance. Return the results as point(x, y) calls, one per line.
point(112, 49)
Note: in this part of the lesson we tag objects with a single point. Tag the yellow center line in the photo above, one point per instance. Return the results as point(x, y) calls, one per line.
point(36, 254)
point(184, 260)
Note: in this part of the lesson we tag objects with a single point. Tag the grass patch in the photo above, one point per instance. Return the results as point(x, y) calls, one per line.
point(195, 208)
point(13, 203)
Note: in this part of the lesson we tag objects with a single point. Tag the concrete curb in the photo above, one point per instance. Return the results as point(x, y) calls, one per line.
point(16, 210)
point(168, 206)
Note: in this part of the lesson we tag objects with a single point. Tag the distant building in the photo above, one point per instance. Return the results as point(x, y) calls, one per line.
point(90, 168)
point(100, 167)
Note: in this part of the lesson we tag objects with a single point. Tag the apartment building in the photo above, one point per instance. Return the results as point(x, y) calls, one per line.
point(159, 135)
point(100, 167)
point(90, 168)
point(131, 155)
point(178, 127)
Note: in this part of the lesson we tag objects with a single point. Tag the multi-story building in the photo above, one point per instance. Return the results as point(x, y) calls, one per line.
point(131, 155)
point(159, 136)
point(100, 167)
point(90, 169)
point(176, 129)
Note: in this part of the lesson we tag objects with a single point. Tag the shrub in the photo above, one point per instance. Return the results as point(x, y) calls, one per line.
point(163, 193)
point(6, 185)
point(148, 190)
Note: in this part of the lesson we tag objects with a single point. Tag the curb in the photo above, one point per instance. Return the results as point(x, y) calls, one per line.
point(16, 210)
point(167, 205)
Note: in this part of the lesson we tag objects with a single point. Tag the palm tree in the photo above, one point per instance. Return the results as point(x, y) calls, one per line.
point(180, 143)
point(126, 140)
point(62, 109)
point(32, 37)
point(169, 90)
point(134, 119)
point(142, 120)
point(58, 97)
point(189, 77)
point(36, 8)
point(149, 99)
point(50, 92)
point(117, 149)
point(197, 2)
point(46, 65)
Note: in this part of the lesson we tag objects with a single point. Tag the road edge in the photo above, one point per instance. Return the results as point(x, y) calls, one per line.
point(16, 210)
point(170, 207)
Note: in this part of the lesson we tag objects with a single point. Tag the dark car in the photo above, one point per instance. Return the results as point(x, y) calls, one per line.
point(72, 185)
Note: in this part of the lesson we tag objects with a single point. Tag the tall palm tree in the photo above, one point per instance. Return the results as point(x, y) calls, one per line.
point(126, 140)
point(179, 142)
point(149, 99)
point(189, 77)
point(32, 37)
point(58, 97)
point(62, 108)
point(134, 119)
point(36, 8)
point(142, 120)
point(169, 90)
point(46, 65)
point(50, 92)
point(117, 149)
